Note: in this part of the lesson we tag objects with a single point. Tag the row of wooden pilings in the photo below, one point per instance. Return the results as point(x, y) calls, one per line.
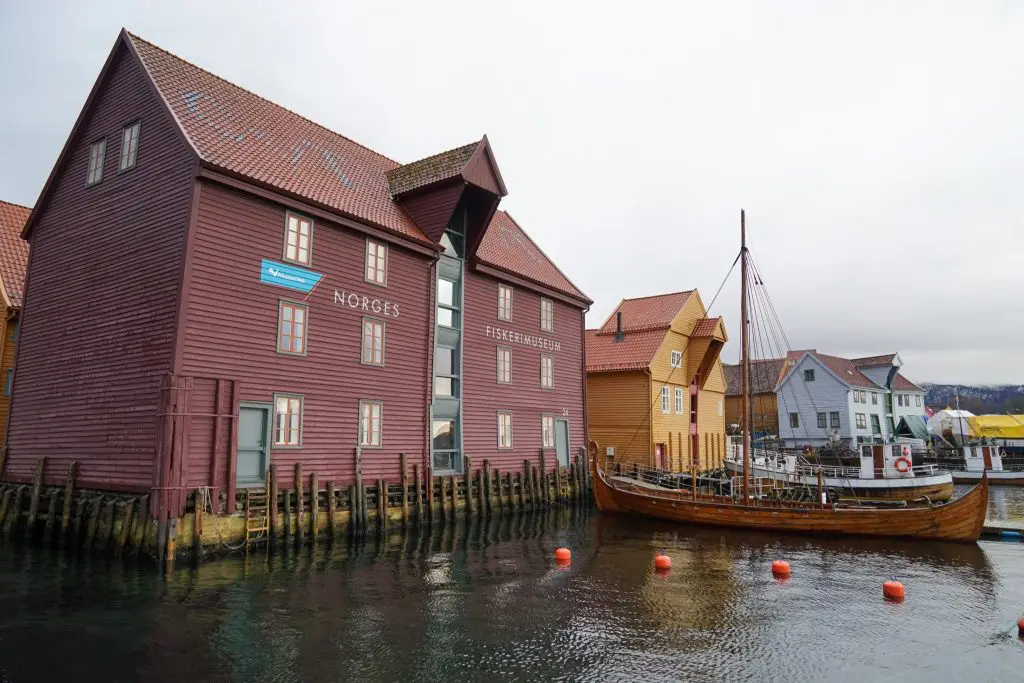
point(122, 525)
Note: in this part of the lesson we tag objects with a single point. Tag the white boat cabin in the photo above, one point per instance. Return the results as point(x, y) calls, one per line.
point(981, 458)
point(886, 461)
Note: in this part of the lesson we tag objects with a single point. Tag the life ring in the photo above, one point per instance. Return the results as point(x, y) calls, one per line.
point(903, 464)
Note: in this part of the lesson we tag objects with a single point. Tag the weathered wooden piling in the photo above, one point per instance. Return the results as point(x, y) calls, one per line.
point(332, 509)
point(78, 521)
point(511, 491)
point(287, 513)
point(489, 486)
point(272, 501)
point(5, 506)
point(418, 487)
point(33, 505)
point(127, 513)
point(538, 502)
point(444, 497)
point(94, 520)
point(106, 532)
point(69, 493)
point(482, 491)
point(405, 489)
point(51, 516)
point(141, 522)
point(197, 523)
point(520, 486)
point(382, 505)
point(299, 529)
point(467, 482)
point(496, 480)
point(558, 481)
point(314, 506)
point(545, 492)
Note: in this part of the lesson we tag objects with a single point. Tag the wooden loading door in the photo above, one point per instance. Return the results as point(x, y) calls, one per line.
point(878, 458)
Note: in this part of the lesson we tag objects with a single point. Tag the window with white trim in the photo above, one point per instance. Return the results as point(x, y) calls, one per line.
point(547, 315)
point(287, 420)
point(298, 238)
point(97, 153)
point(547, 372)
point(291, 327)
point(504, 430)
point(664, 400)
point(874, 398)
point(794, 420)
point(822, 421)
point(675, 359)
point(504, 365)
point(504, 302)
point(376, 263)
point(918, 400)
point(862, 421)
point(129, 147)
point(370, 423)
point(679, 400)
point(373, 341)
point(547, 431)
point(834, 420)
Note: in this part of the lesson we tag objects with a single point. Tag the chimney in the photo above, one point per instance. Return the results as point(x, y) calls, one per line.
point(619, 335)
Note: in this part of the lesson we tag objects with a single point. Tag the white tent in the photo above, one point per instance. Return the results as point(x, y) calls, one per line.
point(954, 421)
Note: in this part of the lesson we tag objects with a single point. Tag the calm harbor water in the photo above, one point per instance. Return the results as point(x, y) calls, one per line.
point(485, 602)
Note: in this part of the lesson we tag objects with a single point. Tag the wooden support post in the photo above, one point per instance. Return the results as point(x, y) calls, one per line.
point(359, 506)
point(428, 491)
point(11, 525)
point(497, 483)
point(538, 501)
point(382, 505)
point(51, 517)
point(353, 514)
point(405, 489)
point(140, 524)
point(332, 509)
point(558, 481)
point(314, 506)
point(443, 496)
point(197, 522)
point(511, 491)
point(528, 483)
point(107, 530)
point(545, 492)
point(287, 513)
point(417, 484)
point(488, 485)
point(272, 501)
point(521, 487)
point(5, 505)
point(79, 520)
point(69, 493)
point(172, 540)
point(299, 505)
point(481, 489)
point(467, 479)
point(33, 505)
point(126, 523)
point(573, 488)
point(94, 520)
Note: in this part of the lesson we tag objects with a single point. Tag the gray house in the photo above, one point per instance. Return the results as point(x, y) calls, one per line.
point(857, 400)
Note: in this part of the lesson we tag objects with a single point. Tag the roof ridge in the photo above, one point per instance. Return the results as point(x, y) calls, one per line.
point(439, 154)
point(542, 252)
point(20, 206)
point(658, 296)
point(134, 36)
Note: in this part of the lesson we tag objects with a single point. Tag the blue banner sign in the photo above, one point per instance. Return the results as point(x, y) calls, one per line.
point(292, 277)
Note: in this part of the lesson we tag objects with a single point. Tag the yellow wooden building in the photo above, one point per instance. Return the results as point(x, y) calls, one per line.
point(764, 409)
point(655, 386)
point(13, 264)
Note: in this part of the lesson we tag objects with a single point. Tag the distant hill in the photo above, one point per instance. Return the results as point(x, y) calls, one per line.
point(983, 400)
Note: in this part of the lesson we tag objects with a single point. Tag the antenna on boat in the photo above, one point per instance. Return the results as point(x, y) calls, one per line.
point(745, 356)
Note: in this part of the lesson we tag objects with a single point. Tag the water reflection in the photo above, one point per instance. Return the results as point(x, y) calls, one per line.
point(484, 601)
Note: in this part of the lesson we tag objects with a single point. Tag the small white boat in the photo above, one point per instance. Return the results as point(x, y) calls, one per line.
point(886, 472)
point(980, 458)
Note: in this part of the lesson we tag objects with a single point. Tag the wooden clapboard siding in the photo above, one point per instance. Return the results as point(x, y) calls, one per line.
point(618, 414)
point(8, 330)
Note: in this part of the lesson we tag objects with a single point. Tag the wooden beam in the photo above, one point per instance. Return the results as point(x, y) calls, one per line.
point(332, 509)
point(69, 492)
point(405, 489)
point(33, 505)
point(299, 504)
point(314, 506)
point(467, 479)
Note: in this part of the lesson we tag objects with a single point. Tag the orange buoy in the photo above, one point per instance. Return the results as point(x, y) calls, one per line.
point(780, 568)
point(663, 562)
point(893, 590)
point(563, 555)
point(1020, 627)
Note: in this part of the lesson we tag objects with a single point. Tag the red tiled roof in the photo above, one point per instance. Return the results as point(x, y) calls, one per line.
point(431, 170)
point(634, 352)
point(901, 383)
point(242, 133)
point(705, 327)
point(647, 312)
point(13, 250)
point(872, 361)
point(506, 246)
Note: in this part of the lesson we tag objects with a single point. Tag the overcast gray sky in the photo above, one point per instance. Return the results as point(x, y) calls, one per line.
point(876, 146)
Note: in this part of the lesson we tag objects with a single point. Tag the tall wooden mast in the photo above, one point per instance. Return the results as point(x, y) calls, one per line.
point(745, 356)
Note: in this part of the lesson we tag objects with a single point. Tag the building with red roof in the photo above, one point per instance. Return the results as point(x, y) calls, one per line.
point(655, 387)
point(221, 286)
point(13, 265)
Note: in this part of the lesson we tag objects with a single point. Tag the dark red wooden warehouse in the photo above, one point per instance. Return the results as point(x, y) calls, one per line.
point(216, 283)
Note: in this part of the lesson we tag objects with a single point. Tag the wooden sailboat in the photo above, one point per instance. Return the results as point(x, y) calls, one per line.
point(958, 520)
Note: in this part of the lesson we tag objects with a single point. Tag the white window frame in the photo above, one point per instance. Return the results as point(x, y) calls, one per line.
point(679, 400)
point(547, 315)
point(299, 219)
point(547, 431)
point(547, 372)
point(504, 302)
point(917, 400)
point(303, 336)
point(834, 423)
point(505, 440)
point(97, 157)
point(664, 401)
point(794, 420)
point(376, 266)
point(129, 147)
point(376, 356)
point(822, 421)
point(503, 359)
point(289, 423)
point(874, 398)
point(368, 437)
point(861, 420)
point(675, 358)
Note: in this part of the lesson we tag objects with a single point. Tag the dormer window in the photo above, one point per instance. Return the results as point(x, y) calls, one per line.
point(129, 147)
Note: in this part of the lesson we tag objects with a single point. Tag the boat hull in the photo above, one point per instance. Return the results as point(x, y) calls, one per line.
point(936, 487)
point(994, 478)
point(960, 520)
